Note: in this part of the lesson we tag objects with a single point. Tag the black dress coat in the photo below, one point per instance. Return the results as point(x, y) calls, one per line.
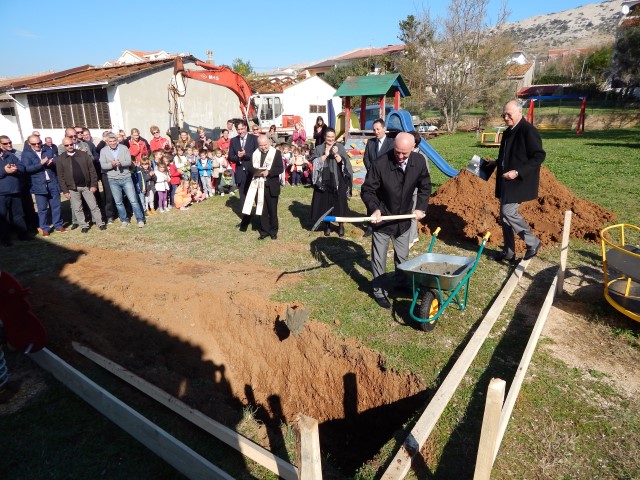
point(520, 150)
point(244, 170)
point(371, 152)
point(388, 189)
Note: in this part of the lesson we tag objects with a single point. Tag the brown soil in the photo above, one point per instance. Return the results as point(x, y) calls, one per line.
point(466, 208)
point(209, 335)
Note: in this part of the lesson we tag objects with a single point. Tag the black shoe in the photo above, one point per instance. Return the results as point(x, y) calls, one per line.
point(243, 227)
point(341, 231)
point(505, 257)
point(85, 230)
point(74, 226)
point(327, 229)
point(274, 236)
point(102, 227)
point(368, 232)
point(383, 302)
point(531, 252)
point(263, 236)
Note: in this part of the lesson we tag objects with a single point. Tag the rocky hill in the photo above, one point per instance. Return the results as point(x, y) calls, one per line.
point(588, 26)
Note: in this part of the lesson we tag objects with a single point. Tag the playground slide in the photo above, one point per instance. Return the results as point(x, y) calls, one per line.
point(401, 120)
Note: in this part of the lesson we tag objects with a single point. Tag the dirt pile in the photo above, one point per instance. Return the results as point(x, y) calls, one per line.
point(208, 334)
point(466, 208)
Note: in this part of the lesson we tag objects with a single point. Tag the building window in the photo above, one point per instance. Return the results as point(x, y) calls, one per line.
point(87, 108)
point(8, 111)
point(317, 109)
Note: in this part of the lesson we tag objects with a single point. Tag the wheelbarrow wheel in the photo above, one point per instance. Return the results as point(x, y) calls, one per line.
point(429, 306)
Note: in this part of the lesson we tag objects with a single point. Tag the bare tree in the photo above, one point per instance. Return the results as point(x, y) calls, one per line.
point(459, 58)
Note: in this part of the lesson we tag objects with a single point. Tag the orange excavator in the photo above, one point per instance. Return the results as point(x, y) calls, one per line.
point(264, 109)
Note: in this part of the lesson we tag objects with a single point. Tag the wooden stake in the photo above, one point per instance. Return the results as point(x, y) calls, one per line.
point(564, 250)
point(245, 446)
point(489, 433)
point(419, 434)
point(172, 451)
point(309, 465)
point(518, 378)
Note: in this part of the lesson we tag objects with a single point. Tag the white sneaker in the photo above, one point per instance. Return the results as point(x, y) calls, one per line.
point(222, 194)
point(140, 224)
point(124, 224)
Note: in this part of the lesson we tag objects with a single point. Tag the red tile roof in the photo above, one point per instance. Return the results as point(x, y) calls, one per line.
point(89, 75)
point(517, 70)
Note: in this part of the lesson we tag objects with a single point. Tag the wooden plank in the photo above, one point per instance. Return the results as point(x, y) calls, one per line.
point(564, 250)
point(518, 378)
point(174, 452)
point(242, 444)
point(419, 434)
point(489, 433)
point(310, 461)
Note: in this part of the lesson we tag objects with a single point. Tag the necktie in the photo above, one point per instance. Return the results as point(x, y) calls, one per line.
point(241, 143)
point(379, 145)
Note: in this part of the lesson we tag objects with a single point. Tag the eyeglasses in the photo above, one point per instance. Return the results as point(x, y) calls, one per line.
point(155, 133)
point(6, 143)
point(34, 144)
point(70, 136)
point(68, 144)
point(78, 133)
point(508, 115)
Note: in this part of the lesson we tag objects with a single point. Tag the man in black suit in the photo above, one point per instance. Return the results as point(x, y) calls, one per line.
point(240, 152)
point(517, 179)
point(388, 190)
point(376, 147)
point(264, 187)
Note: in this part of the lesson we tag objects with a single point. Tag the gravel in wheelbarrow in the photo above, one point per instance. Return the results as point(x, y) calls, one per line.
point(426, 268)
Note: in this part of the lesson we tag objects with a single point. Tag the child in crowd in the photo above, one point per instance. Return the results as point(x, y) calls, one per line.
point(162, 186)
point(174, 174)
point(156, 158)
point(196, 195)
point(181, 163)
point(226, 182)
point(192, 160)
point(182, 196)
point(219, 163)
point(204, 170)
point(297, 166)
point(148, 182)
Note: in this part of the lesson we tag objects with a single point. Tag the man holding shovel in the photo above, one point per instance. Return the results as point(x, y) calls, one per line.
point(388, 190)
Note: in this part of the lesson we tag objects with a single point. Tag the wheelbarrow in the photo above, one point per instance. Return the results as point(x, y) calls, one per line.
point(438, 280)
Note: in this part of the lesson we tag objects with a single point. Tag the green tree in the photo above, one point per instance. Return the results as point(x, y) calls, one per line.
point(460, 57)
point(336, 75)
point(627, 55)
point(242, 67)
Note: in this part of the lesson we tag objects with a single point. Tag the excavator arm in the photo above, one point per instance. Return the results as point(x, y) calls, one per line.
point(223, 76)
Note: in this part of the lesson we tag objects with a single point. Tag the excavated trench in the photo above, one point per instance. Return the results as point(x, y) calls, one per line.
point(208, 335)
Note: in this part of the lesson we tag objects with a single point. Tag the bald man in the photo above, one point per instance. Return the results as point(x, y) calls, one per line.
point(388, 190)
point(517, 180)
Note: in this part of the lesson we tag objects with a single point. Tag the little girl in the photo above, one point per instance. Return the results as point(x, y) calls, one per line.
point(219, 163)
point(297, 165)
point(181, 162)
point(196, 195)
point(204, 170)
point(175, 175)
point(182, 196)
point(162, 186)
point(147, 184)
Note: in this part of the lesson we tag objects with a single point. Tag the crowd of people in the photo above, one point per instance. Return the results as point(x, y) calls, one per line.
point(127, 177)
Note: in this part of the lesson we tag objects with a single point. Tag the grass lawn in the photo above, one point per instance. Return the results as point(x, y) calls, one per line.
point(568, 423)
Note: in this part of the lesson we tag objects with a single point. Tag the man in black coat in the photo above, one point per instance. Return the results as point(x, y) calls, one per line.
point(240, 152)
point(517, 179)
point(388, 190)
point(376, 147)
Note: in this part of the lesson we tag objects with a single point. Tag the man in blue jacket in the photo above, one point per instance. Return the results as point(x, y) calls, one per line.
point(44, 185)
point(11, 213)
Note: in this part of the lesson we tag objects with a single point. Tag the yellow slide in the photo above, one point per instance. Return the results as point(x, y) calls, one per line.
point(355, 124)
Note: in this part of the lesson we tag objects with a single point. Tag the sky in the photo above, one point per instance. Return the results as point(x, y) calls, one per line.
point(41, 36)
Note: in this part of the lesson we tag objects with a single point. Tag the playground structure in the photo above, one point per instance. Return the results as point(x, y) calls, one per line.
point(556, 126)
point(621, 267)
point(380, 87)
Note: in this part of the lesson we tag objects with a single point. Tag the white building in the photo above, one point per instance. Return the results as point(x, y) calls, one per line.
point(110, 98)
point(308, 99)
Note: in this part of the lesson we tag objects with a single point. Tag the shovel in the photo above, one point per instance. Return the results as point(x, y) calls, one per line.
point(329, 218)
point(480, 168)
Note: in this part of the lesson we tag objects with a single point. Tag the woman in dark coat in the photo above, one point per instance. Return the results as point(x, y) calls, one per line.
point(332, 175)
point(319, 130)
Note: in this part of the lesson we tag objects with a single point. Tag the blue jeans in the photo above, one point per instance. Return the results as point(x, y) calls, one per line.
point(120, 185)
point(49, 207)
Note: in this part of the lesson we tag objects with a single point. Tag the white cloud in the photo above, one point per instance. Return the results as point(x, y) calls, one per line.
point(26, 34)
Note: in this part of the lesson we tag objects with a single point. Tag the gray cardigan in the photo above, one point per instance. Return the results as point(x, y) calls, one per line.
point(106, 157)
point(319, 164)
